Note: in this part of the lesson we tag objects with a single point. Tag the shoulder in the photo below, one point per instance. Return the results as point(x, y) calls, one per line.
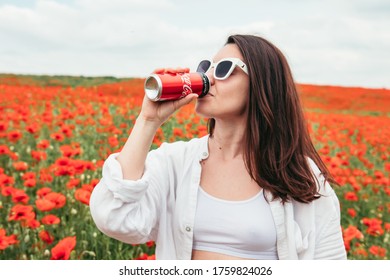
point(313, 166)
point(323, 186)
point(328, 200)
point(327, 204)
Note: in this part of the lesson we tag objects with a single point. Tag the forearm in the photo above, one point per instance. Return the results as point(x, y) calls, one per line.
point(133, 155)
point(153, 115)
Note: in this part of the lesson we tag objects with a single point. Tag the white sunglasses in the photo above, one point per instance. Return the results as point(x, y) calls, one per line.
point(223, 68)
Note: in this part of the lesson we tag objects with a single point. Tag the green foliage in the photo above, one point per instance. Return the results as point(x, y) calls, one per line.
point(65, 81)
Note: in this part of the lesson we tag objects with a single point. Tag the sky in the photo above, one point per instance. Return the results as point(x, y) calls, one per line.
point(329, 42)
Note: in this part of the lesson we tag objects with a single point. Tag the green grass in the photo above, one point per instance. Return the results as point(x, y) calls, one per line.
point(65, 81)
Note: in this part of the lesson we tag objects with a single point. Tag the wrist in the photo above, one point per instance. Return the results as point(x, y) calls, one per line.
point(147, 124)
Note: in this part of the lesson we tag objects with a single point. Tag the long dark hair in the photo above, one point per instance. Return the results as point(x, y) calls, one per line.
point(277, 141)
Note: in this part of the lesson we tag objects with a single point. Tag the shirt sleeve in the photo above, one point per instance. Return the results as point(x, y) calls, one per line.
point(329, 243)
point(129, 210)
point(329, 239)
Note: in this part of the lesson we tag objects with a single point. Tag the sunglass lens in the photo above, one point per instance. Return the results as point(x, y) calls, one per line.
point(223, 68)
point(203, 66)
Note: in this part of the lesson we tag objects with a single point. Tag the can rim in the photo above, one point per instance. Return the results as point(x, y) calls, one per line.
point(206, 84)
point(153, 91)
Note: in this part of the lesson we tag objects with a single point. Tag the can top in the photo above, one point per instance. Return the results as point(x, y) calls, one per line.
point(153, 87)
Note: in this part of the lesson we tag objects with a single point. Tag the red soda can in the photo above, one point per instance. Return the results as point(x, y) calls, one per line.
point(172, 86)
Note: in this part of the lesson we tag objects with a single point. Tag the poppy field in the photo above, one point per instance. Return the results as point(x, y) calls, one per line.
point(56, 132)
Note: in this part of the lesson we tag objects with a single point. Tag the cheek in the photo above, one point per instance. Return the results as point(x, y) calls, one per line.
point(234, 104)
point(238, 96)
point(241, 104)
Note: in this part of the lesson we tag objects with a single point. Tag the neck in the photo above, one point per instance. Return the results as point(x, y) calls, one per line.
point(228, 139)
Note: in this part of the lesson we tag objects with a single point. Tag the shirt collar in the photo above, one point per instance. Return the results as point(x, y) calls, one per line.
point(204, 147)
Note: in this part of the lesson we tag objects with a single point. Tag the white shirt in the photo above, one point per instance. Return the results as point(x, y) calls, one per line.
point(161, 207)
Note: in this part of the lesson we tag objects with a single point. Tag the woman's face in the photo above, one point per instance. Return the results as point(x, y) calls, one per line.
point(227, 99)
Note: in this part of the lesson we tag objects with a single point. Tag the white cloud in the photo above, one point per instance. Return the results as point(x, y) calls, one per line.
point(326, 44)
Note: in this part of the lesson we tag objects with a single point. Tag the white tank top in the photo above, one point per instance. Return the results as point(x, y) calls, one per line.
point(244, 229)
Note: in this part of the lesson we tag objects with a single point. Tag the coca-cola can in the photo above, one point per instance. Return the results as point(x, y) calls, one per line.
point(168, 86)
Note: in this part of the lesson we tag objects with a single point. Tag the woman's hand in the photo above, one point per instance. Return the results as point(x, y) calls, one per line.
point(158, 112)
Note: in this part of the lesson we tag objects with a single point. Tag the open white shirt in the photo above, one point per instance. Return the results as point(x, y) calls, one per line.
point(161, 207)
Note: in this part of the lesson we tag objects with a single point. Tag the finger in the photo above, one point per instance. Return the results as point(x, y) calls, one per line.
point(186, 100)
point(159, 71)
point(182, 70)
point(171, 71)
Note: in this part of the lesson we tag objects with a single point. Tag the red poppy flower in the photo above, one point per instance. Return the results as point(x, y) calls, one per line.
point(6, 241)
point(43, 191)
point(32, 223)
point(351, 212)
point(14, 136)
point(113, 141)
point(3, 126)
point(30, 183)
point(59, 137)
point(20, 165)
point(83, 196)
point(6, 180)
point(73, 182)
point(62, 250)
point(50, 220)
point(45, 204)
point(20, 196)
point(46, 237)
point(43, 144)
point(351, 196)
point(7, 190)
point(38, 155)
point(374, 226)
point(58, 198)
point(4, 150)
point(21, 212)
point(32, 128)
point(377, 251)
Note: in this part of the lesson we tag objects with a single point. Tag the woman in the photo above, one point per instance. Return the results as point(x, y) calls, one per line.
point(254, 188)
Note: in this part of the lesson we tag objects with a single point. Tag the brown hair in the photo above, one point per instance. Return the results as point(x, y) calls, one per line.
point(278, 143)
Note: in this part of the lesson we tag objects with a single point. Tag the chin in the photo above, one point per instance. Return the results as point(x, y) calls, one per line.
point(202, 111)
